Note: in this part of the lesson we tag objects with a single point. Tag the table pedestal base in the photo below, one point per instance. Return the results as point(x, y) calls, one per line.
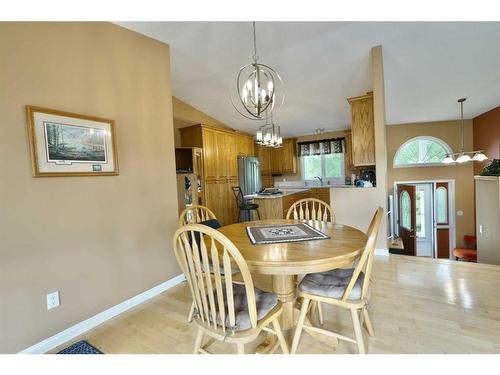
point(284, 286)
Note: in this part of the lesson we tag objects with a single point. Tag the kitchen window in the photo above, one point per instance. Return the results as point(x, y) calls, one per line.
point(324, 159)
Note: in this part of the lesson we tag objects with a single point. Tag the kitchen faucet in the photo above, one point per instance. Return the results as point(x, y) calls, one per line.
point(320, 180)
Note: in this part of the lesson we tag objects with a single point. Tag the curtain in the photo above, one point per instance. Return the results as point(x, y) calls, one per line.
point(323, 146)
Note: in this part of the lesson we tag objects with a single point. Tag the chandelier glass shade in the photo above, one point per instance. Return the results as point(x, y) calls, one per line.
point(258, 89)
point(463, 156)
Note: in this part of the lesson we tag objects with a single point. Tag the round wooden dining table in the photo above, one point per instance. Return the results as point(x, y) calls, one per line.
point(286, 260)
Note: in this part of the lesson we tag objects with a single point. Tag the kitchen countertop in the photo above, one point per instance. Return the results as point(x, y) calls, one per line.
point(316, 187)
point(284, 193)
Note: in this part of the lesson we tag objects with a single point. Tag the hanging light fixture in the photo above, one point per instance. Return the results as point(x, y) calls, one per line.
point(269, 134)
point(258, 87)
point(463, 156)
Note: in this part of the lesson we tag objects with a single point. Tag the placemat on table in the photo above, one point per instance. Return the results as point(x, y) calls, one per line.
point(276, 233)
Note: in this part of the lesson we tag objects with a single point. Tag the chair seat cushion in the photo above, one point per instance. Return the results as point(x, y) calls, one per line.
point(264, 301)
point(332, 283)
point(212, 223)
point(467, 254)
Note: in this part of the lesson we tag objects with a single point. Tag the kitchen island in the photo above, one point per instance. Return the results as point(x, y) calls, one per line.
point(276, 206)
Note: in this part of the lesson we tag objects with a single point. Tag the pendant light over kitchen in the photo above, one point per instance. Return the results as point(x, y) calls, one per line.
point(463, 156)
point(269, 134)
point(258, 87)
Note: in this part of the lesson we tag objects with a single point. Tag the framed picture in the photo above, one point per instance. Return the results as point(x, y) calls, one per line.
point(68, 144)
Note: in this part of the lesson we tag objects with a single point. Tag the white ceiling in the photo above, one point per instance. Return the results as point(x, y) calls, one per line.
point(427, 65)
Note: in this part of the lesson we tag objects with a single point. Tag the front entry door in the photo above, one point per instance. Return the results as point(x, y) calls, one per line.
point(407, 217)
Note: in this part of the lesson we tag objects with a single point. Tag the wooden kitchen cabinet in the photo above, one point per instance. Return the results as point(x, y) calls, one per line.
point(289, 156)
point(284, 159)
point(362, 130)
point(221, 148)
point(264, 155)
point(321, 193)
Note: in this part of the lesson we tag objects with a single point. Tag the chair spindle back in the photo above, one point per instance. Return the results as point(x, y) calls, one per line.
point(208, 260)
point(311, 209)
point(195, 214)
point(366, 259)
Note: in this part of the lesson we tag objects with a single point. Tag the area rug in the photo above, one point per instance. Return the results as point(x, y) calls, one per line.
point(268, 234)
point(81, 347)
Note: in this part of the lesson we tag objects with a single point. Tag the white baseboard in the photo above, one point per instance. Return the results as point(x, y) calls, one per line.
point(82, 327)
point(382, 252)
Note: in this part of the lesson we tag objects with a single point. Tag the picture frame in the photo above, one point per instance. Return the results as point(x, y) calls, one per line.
point(71, 144)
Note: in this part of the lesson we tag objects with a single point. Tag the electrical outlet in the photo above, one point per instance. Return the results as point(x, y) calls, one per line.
point(52, 300)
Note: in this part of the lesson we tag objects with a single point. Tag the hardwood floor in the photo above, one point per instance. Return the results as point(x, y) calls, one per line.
point(418, 305)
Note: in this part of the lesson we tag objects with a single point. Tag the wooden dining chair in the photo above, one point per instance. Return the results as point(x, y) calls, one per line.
point(195, 214)
point(345, 288)
point(224, 311)
point(311, 209)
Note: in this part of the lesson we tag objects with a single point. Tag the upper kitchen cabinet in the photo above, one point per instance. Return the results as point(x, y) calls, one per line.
point(362, 130)
point(284, 159)
point(264, 155)
point(245, 145)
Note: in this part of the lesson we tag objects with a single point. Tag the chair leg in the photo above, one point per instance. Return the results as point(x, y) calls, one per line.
point(258, 213)
point(368, 322)
point(197, 343)
point(320, 313)
point(191, 313)
point(312, 309)
point(240, 348)
point(300, 324)
point(281, 338)
point(358, 331)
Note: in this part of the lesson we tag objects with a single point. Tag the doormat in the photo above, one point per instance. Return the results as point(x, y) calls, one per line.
point(81, 347)
point(268, 234)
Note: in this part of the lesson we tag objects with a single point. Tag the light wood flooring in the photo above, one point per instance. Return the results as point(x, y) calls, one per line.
point(418, 305)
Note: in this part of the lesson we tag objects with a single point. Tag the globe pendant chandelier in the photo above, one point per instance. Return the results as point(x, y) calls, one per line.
point(258, 87)
point(464, 156)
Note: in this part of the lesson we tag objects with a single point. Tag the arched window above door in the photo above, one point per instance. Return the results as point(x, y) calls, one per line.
point(421, 151)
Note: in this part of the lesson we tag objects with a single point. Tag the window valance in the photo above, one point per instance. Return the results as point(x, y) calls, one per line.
point(323, 146)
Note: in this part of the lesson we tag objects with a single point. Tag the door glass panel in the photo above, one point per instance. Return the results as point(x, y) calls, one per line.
point(405, 205)
point(420, 214)
point(442, 205)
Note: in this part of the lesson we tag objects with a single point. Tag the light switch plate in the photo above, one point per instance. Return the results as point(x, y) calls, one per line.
point(52, 300)
point(460, 213)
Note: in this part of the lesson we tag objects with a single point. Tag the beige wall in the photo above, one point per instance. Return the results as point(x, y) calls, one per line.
point(186, 115)
point(98, 240)
point(448, 131)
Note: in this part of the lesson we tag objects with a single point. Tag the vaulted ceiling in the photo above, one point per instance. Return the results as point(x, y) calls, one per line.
point(427, 65)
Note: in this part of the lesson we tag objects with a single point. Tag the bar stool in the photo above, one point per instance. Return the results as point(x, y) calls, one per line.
point(243, 205)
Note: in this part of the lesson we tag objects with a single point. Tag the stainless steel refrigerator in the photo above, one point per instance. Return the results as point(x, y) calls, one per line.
point(249, 175)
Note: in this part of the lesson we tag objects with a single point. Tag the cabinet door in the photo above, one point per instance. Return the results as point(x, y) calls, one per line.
point(222, 155)
point(212, 198)
point(210, 154)
point(288, 156)
point(264, 155)
point(230, 153)
point(362, 132)
point(276, 161)
point(250, 149)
